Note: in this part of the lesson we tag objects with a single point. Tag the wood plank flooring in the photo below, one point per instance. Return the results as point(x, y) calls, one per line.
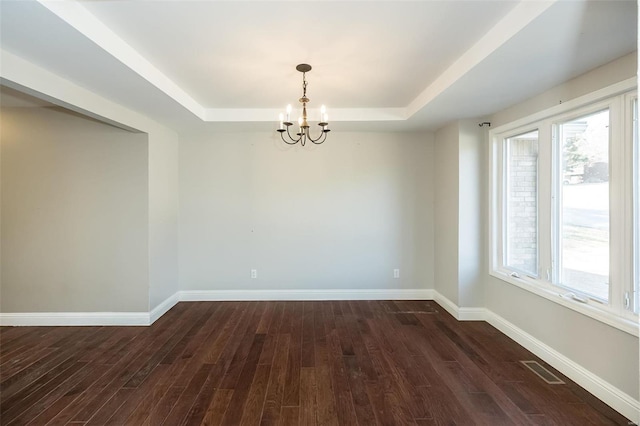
point(284, 363)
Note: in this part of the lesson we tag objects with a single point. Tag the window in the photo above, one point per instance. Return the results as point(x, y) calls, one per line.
point(583, 205)
point(561, 216)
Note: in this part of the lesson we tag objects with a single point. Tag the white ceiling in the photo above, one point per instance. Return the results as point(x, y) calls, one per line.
point(243, 54)
point(403, 64)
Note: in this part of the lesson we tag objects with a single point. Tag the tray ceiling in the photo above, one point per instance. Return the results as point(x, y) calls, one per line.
point(420, 63)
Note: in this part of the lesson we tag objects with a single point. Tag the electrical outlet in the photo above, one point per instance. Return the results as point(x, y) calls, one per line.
point(254, 273)
point(396, 273)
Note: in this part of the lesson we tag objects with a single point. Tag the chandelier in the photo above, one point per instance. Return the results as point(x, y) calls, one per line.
point(303, 134)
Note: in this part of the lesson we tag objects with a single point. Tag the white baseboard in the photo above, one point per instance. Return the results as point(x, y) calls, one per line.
point(148, 318)
point(612, 396)
point(337, 294)
point(447, 304)
point(163, 307)
point(603, 390)
point(461, 314)
point(88, 318)
point(74, 318)
point(472, 314)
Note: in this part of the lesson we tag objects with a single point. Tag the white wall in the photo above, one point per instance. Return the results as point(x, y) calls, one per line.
point(163, 216)
point(459, 256)
point(472, 194)
point(74, 214)
point(341, 215)
point(605, 351)
point(446, 166)
point(606, 75)
point(159, 168)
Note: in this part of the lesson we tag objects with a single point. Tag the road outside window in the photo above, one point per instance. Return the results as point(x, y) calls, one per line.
point(584, 236)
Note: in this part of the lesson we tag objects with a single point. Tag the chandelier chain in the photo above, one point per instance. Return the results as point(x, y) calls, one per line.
point(304, 85)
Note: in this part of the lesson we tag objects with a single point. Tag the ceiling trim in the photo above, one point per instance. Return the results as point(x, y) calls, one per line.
point(337, 114)
point(74, 14)
point(33, 80)
point(517, 19)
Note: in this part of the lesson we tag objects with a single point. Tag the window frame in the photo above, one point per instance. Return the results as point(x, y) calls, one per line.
point(504, 214)
point(557, 197)
point(631, 126)
point(622, 269)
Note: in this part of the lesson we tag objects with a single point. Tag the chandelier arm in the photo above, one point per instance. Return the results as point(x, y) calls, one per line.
point(323, 136)
point(293, 141)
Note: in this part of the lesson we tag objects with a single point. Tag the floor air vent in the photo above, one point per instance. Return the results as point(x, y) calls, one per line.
point(542, 372)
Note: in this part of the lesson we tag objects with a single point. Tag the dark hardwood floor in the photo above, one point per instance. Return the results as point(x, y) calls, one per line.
point(284, 363)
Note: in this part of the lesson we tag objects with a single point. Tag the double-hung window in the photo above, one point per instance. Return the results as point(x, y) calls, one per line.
point(565, 205)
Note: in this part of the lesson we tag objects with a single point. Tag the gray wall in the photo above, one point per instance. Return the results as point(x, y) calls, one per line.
point(74, 232)
point(163, 216)
point(341, 215)
point(446, 211)
point(459, 211)
point(472, 212)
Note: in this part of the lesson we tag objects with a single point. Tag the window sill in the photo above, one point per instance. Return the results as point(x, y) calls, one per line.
point(626, 325)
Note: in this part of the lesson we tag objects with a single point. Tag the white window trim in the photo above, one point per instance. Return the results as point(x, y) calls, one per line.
point(503, 183)
point(633, 203)
point(610, 97)
point(616, 200)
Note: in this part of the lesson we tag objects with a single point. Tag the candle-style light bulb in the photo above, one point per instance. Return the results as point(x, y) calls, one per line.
point(281, 121)
point(289, 112)
point(323, 111)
